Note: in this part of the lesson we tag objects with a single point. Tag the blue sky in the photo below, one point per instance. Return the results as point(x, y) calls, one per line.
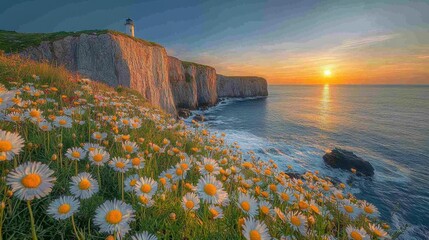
point(284, 41)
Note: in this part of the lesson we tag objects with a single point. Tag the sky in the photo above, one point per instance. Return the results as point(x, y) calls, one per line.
point(286, 42)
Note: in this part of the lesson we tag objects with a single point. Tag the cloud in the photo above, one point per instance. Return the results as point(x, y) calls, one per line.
point(366, 41)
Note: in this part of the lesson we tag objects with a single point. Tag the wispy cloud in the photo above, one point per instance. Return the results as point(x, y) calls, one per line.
point(366, 41)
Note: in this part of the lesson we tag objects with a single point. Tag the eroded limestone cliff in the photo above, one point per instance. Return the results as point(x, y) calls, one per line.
point(240, 86)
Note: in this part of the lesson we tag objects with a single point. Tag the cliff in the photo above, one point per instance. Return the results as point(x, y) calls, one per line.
point(120, 60)
point(115, 60)
point(239, 86)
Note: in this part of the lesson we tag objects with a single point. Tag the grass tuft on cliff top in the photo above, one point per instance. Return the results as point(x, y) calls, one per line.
point(13, 42)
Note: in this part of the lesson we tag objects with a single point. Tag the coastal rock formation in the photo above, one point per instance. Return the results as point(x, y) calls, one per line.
point(339, 158)
point(115, 60)
point(166, 82)
point(236, 86)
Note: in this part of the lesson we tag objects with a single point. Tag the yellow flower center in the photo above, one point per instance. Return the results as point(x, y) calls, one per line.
point(295, 221)
point(245, 205)
point(85, 184)
point(163, 181)
point(254, 235)
point(97, 157)
point(184, 166)
point(133, 182)
point(315, 209)
point(213, 212)
point(32, 180)
point(64, 208)
point(114, 216)
point(120, 165)
point(45, 127)
point(209, 168)
point(3, 157)
point(265, 210)
point(179, 171)
point(349, 209)
point(16, 118)
point(273, 187)
point(143, 199)
point(210, 189)
point(356, 235)
point(97, 136)
point(135, 161)
point(62, 122)
point(303, 205)
point(76, 154)
point(189, 204)
point(5, 146)
point(284, 196)
point(146, 188)
point(368, 209)
point(129, 148)
point(34, 114)
point(378, 233)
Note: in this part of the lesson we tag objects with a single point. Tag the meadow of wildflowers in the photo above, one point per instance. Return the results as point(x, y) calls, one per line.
point(80, 160)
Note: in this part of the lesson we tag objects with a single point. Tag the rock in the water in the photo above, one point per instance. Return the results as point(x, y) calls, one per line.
point(199, 118)
point(339, 158)
point(184, 113)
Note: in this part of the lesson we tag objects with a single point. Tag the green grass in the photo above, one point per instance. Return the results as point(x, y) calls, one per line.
point(12, 42)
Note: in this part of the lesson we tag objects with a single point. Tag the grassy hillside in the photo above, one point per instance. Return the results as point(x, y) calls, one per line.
point(11, 41)
point(87, 144)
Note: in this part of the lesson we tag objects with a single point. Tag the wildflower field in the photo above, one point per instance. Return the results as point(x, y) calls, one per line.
point(81, 160)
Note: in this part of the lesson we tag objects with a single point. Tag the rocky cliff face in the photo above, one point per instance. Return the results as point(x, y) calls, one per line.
point(232, 86)
point(166, 82)
point(115, 60)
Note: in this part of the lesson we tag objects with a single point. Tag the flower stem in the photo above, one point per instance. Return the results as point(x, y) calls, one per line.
point(74, 227)
point(33, 228)
point(122, 185)
point(98, 175)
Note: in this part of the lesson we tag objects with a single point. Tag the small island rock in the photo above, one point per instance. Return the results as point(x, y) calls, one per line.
point(340, 158)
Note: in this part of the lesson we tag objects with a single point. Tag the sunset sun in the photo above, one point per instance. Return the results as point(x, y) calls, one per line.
point(327, 73)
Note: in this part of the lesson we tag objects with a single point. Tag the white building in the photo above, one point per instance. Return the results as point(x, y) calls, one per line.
point(129, 27)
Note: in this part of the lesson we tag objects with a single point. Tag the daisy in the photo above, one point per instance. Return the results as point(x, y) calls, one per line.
point(98, 157)
point(146, 186)
point(45, 126)
point(215, 212)
point(63, 121)
point(247, 204)
point(145, 201)
point(378, 231)
point(210, 190)
point(10, 145)
point(255, 229)
point(280, 214)
point(114, 217)
point(14, 117)
point(369, 209)
point(31, 180)
point(144, 236)
point(177, 172)
point(120, 164)
point(350, 209)
point(63, 207)
point(190, 202)
point(356, 234)
point(137, 163)
point(130, 182)
point(83, 186)
point(209, 166)
point(265, 207)
point(298, 222)
point(99, 136)
point(286, 196)
point(89, 147)
point(129, 147)
point(75, 153)
point(33, 114)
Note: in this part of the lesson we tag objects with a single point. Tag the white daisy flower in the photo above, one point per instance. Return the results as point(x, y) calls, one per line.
point(247, 204)
point(120, 164)
point(130, 147)
point(83, 185)
point(349, 209)
point(137, 162)
point(45, 126)
point(114, 217)
point(255, 229)
point(11, 144)
point(63, 207)
point(130, 182)
point(98, 157)
point(63, 121)
point(378, 231)
point(369, 209)
point(209, 166)
point(33, 114)
point(99, 136)
point(145, 201)
point(6, 99)
point(298, 222)
point(75, 153)
point(211, 190)
point(190, 202)
point(31, 180)
point(215, 212)
point(89, 147)
point(177, 172)
point(146, 186)
point(265, 207)
point(356, 234)
point(144, 236)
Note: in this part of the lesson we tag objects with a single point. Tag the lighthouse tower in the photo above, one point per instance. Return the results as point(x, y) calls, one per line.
point(129, 27)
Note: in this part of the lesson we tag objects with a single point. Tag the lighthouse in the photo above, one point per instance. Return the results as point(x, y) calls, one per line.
point(129, 27)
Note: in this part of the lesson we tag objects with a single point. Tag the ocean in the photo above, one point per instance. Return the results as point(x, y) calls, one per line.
point(385, 125)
